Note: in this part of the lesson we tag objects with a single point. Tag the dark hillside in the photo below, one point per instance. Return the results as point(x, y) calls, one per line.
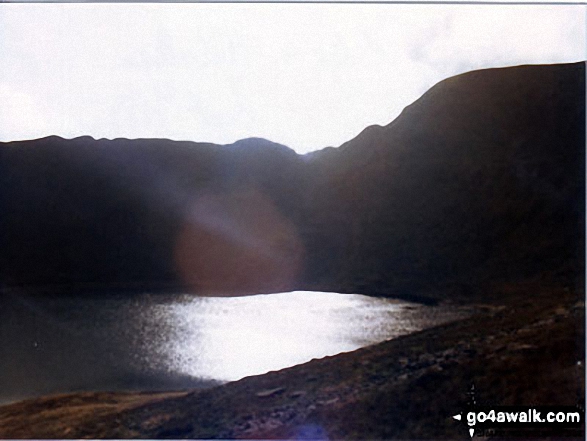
point(107, 215)
point(480, 180)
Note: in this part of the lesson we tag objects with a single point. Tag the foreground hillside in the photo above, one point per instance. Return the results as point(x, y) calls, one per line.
point(526, 352)
point(479, 181)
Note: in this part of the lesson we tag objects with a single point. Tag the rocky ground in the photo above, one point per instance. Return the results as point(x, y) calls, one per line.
point(528, 351)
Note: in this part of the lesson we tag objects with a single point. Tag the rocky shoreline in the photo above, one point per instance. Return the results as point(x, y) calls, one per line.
point(528, 351)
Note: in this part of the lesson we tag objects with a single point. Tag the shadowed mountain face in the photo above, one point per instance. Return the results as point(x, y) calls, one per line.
point(141, 214)
point(482, 179)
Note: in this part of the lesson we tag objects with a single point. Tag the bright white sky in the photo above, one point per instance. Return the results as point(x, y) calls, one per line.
point(307, 76)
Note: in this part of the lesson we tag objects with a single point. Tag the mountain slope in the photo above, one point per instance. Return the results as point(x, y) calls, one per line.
point(87, 214)
point(480, 180)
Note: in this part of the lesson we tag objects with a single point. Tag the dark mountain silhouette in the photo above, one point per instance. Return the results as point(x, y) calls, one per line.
point(479, 181)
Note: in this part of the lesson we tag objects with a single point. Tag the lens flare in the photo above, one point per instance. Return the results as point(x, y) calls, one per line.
point(237, 243)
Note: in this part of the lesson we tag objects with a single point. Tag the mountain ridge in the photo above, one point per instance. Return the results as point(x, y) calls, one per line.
point(449, 196)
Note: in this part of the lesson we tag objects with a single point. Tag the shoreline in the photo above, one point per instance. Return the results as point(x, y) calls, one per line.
point(150, 341)
point(528, 351)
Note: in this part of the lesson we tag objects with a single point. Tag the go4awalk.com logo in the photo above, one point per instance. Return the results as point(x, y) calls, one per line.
point(523, 421)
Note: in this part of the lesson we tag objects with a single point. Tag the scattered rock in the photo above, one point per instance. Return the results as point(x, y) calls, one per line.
point(270, 392)
point(579, 305)
point(520, 347)
point(449, 353)
point(491, 309)
point(329, 402)
point(544, 322)
point(297, 394)
point(426, 359)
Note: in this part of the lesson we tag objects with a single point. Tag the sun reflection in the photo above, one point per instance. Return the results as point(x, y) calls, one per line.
point(230, 338)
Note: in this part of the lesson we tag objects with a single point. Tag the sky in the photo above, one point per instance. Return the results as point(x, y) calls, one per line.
point(304, 75)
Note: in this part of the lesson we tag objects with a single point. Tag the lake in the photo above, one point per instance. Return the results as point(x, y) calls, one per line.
point(158, 342)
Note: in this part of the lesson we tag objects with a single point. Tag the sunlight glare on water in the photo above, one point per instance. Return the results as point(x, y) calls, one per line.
point(230, 338)
point(183, 341)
